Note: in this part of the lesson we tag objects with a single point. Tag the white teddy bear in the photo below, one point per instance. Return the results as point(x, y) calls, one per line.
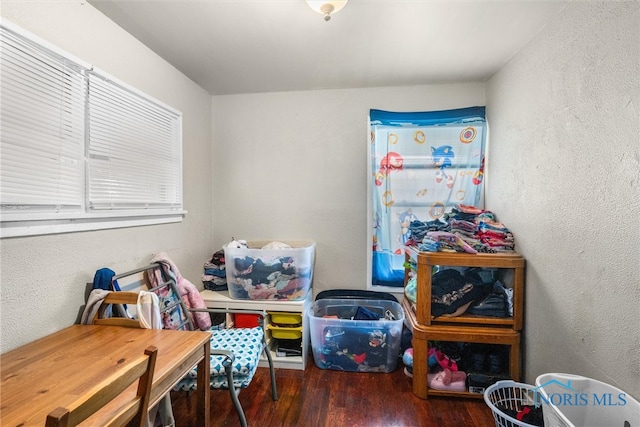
point(239, 244)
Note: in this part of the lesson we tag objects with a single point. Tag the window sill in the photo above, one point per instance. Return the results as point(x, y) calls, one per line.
point(33, 227)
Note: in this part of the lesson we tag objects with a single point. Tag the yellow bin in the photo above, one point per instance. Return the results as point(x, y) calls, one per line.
point(285, 333)
point(283, 318)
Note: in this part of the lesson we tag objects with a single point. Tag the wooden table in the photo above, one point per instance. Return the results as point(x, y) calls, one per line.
point(55, 370)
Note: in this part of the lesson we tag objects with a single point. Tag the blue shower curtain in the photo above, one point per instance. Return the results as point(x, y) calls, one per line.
point(423, 164)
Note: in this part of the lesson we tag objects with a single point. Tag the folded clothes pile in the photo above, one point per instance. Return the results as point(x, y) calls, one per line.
point(464, 229)
point(215, 274)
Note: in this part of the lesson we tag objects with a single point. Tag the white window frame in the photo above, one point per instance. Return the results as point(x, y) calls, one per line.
point(137, 208)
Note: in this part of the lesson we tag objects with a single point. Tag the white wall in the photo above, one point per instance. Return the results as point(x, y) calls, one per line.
point(43, 278)
point(564, 175)
point(294, 166)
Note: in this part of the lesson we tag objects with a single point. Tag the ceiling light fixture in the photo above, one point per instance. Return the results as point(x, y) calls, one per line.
point(327, 7)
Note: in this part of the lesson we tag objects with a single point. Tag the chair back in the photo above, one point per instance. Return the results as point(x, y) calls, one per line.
point(173, 310)
point(112, 299)
point(134, 411)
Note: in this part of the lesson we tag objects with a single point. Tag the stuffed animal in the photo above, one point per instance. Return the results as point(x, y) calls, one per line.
point(238, 244)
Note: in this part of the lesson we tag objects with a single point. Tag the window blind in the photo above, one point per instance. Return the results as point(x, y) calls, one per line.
point(134, 150)
point(80, 150)
point(42, 128)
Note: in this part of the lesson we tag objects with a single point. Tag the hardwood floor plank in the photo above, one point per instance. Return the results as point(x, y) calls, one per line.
point(318, 398)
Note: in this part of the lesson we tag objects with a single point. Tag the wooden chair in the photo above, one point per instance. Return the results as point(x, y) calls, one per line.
point(133, 412)
point(113, 312)
point(111, 301)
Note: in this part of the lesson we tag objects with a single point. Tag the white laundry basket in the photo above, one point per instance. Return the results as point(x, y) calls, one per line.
point(576, 401)
point(511, 395)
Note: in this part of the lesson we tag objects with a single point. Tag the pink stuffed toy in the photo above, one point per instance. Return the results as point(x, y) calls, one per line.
point(448, 376)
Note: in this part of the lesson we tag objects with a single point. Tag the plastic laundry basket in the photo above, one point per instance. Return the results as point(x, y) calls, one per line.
point(511, 395)
point(571, 401)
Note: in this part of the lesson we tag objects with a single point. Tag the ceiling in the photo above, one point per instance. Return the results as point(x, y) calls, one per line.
point(253, 46)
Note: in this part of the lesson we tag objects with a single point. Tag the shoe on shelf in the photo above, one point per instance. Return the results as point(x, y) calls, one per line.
point(496, 363)
point(477, 362)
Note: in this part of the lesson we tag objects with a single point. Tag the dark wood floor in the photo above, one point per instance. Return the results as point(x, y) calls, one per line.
point(316, 397)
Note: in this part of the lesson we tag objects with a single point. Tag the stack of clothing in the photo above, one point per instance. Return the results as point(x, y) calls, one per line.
point(495, 235)
point(215, 274)
point(464, 229)
point(419, 229)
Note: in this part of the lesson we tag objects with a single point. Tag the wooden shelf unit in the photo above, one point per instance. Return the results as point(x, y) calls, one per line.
point(222, 300)
point(456, 333)
point(464, 328)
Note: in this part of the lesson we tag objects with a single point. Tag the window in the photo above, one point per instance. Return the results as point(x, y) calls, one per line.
point(133, 160)
point(80, 150)
point(421, 165)
point(42, 113)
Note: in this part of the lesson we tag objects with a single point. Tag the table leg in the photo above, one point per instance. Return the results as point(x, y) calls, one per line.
point(203, 390)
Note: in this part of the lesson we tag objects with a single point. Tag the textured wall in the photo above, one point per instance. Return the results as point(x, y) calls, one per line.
point(43, 278)
point(564, 175)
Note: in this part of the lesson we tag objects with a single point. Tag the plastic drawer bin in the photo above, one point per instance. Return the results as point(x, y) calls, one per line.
point(270, 274)
point(572, 400)
point(284, 332)
point(246, 320)
point(342, 344)
point(285, 318)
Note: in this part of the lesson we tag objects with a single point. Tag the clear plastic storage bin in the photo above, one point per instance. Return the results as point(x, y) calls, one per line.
point(270, 274)
point(341, 340)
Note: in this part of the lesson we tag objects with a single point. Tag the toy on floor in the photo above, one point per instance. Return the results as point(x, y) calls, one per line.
point(407, 359)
